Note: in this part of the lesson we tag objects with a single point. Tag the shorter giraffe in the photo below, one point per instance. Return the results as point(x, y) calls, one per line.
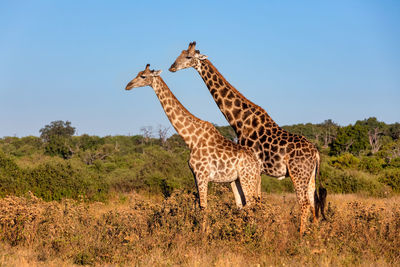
point(213, 158)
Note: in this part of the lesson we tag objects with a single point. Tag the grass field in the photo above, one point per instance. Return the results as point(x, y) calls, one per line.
point(140, 229)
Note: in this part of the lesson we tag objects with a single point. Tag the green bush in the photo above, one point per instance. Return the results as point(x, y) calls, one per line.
point(372, 164)
point(10, 177)
point(350, 181)
point(52, 180)
point(21, 146)
point(155, 170)
point(58, 146)
point(391, 177)
point(273, 185)
point(344, 161)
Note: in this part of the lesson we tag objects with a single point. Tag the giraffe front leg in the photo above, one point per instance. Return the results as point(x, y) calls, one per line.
point(202, 187)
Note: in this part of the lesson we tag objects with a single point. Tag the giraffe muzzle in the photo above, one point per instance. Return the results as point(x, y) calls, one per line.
point(129, 86)
point(172, 68)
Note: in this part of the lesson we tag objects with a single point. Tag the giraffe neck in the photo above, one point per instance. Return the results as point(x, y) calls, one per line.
point(181, 119)
point(238, 110)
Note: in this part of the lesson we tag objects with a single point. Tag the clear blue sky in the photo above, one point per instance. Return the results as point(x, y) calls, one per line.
point(302, 61)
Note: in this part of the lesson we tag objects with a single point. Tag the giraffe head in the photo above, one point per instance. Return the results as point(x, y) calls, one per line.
point(188, 58)
point(144, 78)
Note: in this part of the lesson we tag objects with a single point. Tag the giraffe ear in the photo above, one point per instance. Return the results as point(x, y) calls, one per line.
point(156, 73)
point(201, 57)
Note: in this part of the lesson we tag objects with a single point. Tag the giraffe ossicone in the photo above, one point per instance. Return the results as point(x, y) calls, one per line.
point(280, 153)
point(213, 158)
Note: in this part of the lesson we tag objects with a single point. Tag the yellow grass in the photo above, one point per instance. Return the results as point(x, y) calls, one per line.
point(134, 229)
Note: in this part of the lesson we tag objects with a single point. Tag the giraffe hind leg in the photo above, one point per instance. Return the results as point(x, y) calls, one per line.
point(251, 187)
point(238, 193)
point(312, 196)
point(305, 201)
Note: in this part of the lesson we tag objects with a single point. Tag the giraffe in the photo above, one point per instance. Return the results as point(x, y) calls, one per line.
point(213, 158)
point(280, 153)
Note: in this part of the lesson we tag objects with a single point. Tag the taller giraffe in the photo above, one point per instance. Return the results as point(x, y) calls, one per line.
point(213, 158)
point(279, 151)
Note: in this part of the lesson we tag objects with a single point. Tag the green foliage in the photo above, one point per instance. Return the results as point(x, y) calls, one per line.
point(371, 123)
point(57, 128)
point(227, 132)
point(273, 185)
point(57, 137)
point(21, 146)
point(58, 146)
point(87, 142)
point(353, 139)
point(344, 161)
point(93, 166)
point(372, 164)
point(10, 176)
point(53, 180)
point(308, 130)
point(176, 141)
point(390, 152)
point(350, 181)
point(155, 170)
point(394, 131)
point(391, 177)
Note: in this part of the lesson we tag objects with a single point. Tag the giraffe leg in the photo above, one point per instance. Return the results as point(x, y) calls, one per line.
point(305, 198)
point(250, 189)
point(238, 193)
point(311, 196)
point(259, 188)
point(305, 209)
point(202, 187)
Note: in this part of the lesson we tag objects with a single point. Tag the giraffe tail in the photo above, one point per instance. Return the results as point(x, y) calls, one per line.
point(320, 197)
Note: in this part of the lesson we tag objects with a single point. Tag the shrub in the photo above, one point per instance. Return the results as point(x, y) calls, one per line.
point(350, 181)
point(391, 177)
point(55, 181)
point(58, 146)
point(273, 185)
point(371, 164)
point(343, 161)
point(52, 180)
point(155, 170)
point(10, 176)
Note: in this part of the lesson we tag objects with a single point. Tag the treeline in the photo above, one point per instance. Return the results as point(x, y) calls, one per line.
point(362, 158)
point(365, 137)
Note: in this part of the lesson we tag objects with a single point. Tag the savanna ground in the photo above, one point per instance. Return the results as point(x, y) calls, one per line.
point(142, 229)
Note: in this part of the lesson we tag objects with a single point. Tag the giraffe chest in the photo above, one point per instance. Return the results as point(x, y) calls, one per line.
point(270, 155)
point(217, 166)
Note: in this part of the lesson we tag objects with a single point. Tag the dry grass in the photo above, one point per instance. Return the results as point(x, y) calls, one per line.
point(141, 230)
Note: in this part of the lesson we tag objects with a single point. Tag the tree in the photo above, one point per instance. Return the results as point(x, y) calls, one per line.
point(57, 137)
point(353, 139)
point(147, 133)
point(329, 131)
point(375, 130)
point(394, 131)
point(162, 134)
point(57, 128)
point(227, 132)
point(374, 140)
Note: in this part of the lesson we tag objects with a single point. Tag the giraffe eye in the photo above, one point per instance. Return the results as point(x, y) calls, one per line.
point(188, 57)
point(143, 77)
